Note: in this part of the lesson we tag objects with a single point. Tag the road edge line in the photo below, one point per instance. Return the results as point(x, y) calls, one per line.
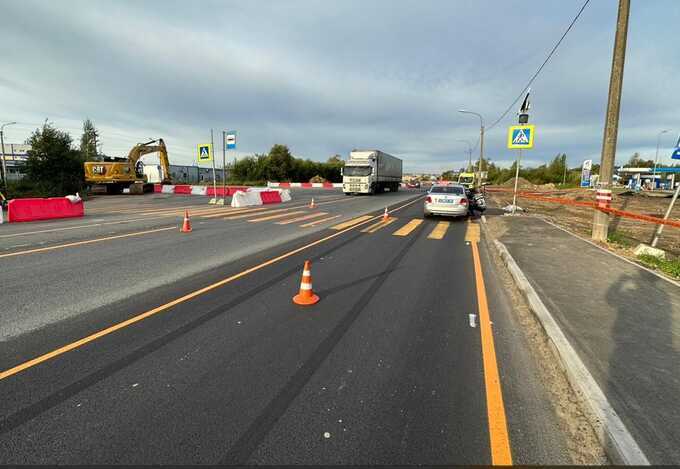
point(497, 422)
point(615, 438)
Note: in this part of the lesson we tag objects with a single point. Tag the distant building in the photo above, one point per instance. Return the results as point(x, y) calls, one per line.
point(16, 155)
point(665, 178)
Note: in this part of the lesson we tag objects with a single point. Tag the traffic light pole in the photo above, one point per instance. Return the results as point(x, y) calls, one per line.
point(601, 219)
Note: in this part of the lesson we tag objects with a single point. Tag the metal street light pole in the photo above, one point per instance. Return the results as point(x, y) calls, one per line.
point(2, 144)
point(481, 137)
point(469, 166)
point(656, 158)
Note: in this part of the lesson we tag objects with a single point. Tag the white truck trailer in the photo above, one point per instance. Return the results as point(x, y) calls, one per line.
point(370, 172)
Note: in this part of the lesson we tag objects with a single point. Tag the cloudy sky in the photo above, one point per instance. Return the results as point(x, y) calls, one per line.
point(327, 76)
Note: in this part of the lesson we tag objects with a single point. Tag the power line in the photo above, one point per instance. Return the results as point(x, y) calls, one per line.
point(552, 52)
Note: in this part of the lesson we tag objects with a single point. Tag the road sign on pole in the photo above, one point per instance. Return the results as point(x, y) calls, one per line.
point(676, 154)
point(231, 140)
point(205, 152)
point(521, 136)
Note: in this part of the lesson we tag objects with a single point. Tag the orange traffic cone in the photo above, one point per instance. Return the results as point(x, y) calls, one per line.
point(311, 204)
point(385, 216)
point(186, 226)
point(306, 296)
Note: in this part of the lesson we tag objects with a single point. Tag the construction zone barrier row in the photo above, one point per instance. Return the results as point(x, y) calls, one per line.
point(305, 185)
point(186, 189)
point(604, 199)
point(20, 210)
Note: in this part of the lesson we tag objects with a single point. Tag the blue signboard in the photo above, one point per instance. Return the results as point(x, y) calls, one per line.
point(231, 140)
point(676, 154)
point(585, 173)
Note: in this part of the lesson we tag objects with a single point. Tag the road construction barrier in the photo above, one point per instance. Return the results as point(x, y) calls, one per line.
point(199, 190)
point(603, 204)
point(21, 210)
point(306, 185)
point(186, 189)
point(182, 189)
point(256, 196)
point(224, 191)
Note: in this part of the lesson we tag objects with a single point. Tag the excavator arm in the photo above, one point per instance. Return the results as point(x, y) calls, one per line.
point(142, 149)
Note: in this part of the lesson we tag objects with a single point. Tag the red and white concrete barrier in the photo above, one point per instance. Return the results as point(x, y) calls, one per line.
point(258, 196)
point(19, 210)
point(186, 189)
point(306, 185)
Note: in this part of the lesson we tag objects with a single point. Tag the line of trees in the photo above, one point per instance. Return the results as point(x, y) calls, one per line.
point(280, 165)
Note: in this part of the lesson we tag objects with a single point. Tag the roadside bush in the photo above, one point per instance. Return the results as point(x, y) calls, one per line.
point(668, 266)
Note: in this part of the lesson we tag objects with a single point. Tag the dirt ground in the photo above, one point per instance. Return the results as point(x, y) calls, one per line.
point(626, 233)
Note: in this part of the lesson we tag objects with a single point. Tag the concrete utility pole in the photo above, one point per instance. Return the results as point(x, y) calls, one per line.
point(564, 176)
point(601, 219)
point(2, 144)
point(656, 158)
point(481, 137)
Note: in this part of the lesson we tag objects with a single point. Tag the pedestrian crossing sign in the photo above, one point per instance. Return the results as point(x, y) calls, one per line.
point(521, 136)
point(205, 152)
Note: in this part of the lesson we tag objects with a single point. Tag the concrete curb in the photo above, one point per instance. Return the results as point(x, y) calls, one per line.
point(612, 433)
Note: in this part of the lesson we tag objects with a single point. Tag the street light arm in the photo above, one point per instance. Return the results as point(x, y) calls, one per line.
point(481, 119)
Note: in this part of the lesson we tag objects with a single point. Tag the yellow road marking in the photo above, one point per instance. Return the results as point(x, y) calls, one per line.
point(233, 212)
point(85, 340)
point(247, 213)
point(408, 228)
point(439, 231)
point(89, 241)
point(498, 427)
point(376, 226)
point(472, 232)
point(352, 222)
point(303, 218)
point(317, 222)
point(274, 217)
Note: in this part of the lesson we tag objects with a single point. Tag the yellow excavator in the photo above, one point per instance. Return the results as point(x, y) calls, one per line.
point(116, 174)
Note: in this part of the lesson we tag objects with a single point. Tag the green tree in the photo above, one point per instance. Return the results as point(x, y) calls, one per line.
point(448, 176)
point(53, 165)
point(88, 141)
point(280, 163)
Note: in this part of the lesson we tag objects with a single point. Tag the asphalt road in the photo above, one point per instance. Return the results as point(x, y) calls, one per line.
point(217, 365)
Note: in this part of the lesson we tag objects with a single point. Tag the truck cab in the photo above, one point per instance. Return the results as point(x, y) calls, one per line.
point(467, 179)
point(370, 172)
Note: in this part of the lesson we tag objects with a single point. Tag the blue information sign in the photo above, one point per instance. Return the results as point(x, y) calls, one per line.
point(676, 154)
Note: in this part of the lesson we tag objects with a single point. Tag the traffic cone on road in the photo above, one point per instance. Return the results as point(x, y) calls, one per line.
point(306, 296)
point(186, 226)
point(311, 204)
point(385, 216)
